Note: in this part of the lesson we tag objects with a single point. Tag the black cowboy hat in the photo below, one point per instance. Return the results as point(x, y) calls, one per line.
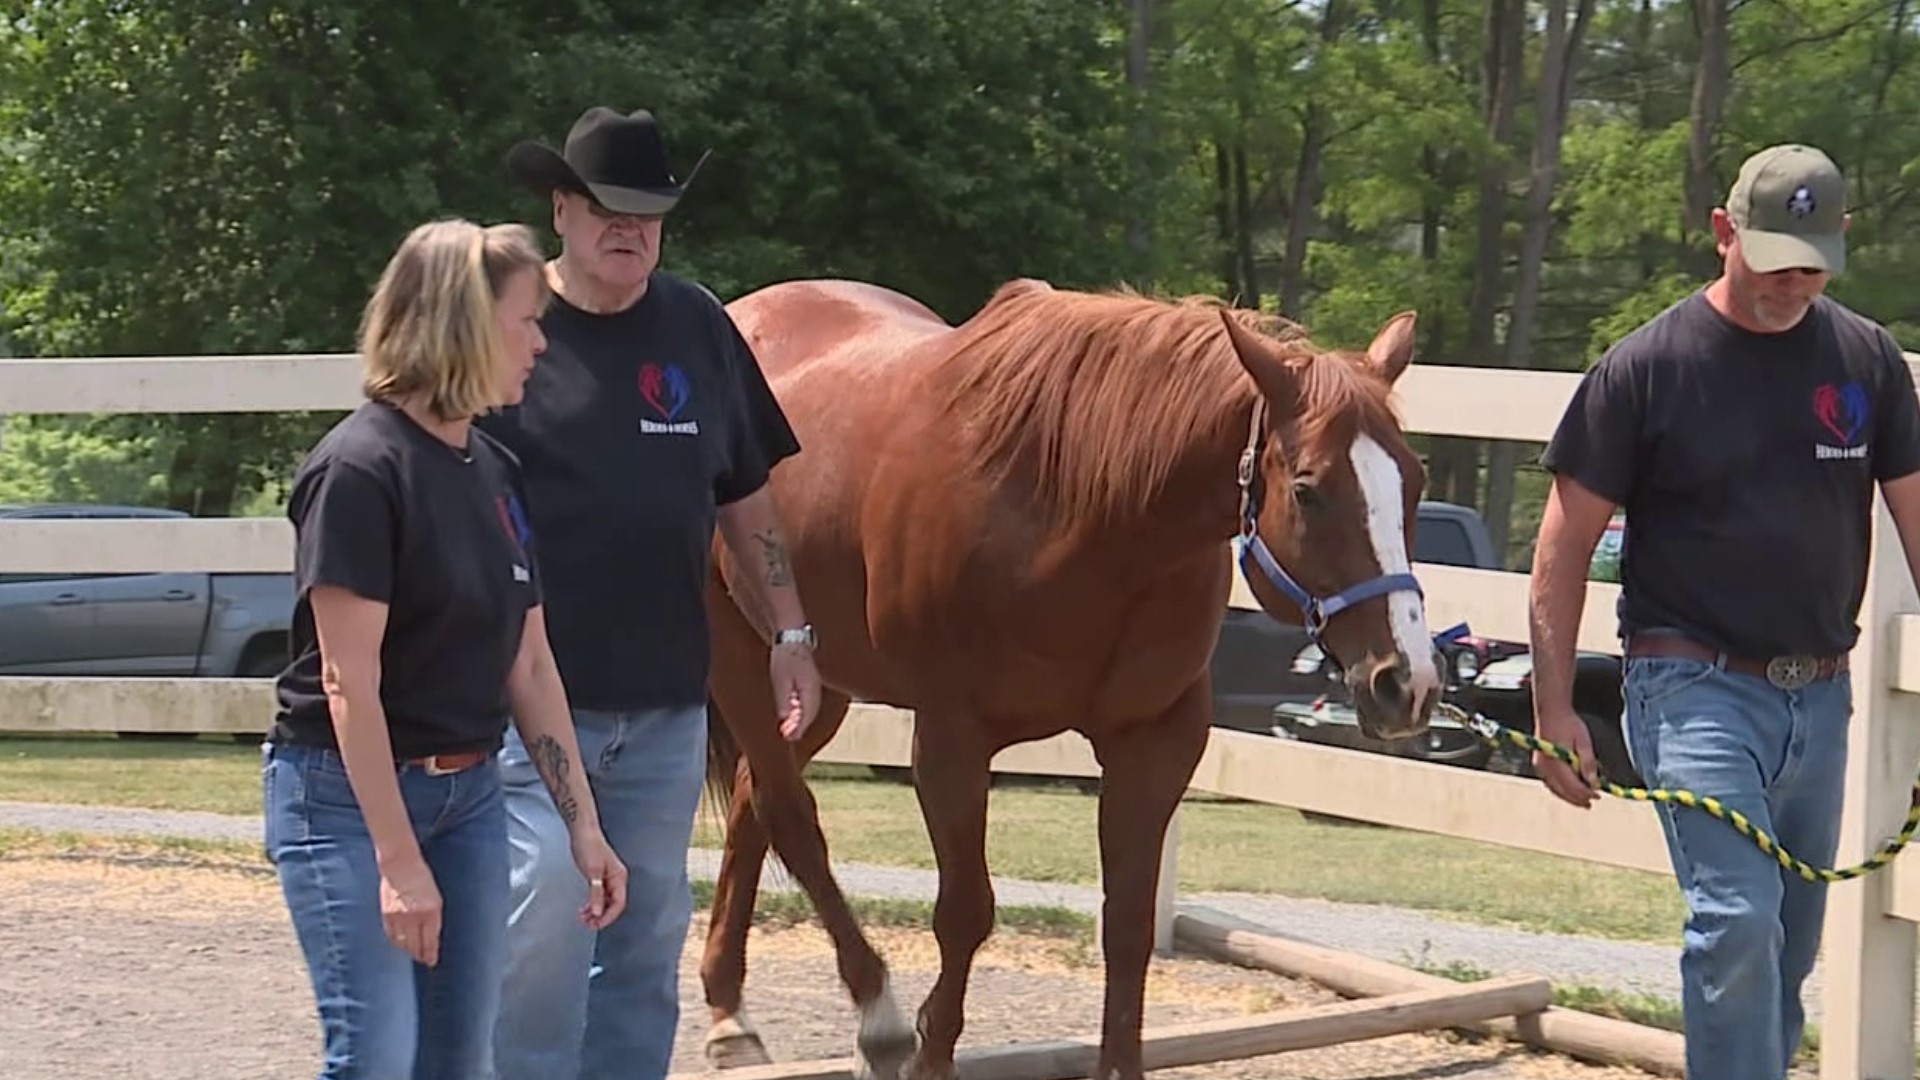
point(618, 161)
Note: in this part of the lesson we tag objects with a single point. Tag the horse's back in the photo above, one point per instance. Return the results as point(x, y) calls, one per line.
point(794, 323)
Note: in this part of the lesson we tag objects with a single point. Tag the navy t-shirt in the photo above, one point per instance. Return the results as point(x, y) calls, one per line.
point(636, 426)
point(386, 510)
point(1745, 464)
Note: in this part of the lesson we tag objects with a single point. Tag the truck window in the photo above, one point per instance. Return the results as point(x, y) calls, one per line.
point(1606, 556)
point(1443, 541)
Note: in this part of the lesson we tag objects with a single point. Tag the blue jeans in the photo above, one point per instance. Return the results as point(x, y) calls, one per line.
point(384, 1016)
point(596, 1006)
point(1753, 928)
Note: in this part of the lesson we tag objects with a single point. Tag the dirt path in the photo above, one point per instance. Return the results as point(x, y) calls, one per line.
point(171, 973)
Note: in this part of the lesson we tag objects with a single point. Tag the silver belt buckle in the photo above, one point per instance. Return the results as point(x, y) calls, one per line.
point(1792, 672)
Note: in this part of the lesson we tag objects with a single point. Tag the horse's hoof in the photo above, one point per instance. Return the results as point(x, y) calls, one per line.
point(733, 1044)
point(885, 1041)
point(882, 1056)
point(921, 1069)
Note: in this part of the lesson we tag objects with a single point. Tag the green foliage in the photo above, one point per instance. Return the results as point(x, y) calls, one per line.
point(48, 460)
point(183, 179)
point(196, 177)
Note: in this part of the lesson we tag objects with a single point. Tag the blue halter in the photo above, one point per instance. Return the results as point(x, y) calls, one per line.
point(1253, 553)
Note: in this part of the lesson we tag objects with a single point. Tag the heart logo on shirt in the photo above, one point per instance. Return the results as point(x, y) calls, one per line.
point(664, 389)
point(1841, 409)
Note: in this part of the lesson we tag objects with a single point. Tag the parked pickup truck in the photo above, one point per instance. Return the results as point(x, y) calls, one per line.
point(180, 624)
point(1504, 689)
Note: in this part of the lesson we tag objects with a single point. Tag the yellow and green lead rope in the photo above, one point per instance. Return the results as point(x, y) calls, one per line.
point(1496, 733)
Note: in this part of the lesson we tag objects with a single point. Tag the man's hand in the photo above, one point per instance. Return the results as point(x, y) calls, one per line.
point(1570, 528)
point(1563, 727)
point(752, 531)
point(796, 689)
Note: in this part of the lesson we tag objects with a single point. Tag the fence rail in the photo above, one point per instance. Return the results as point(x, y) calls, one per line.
point(1869, 957)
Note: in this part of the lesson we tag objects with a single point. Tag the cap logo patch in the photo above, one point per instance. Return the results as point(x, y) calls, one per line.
point(1800, 203)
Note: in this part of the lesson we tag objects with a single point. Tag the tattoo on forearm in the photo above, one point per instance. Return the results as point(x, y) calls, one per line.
point(550, 759)
point(779, 567)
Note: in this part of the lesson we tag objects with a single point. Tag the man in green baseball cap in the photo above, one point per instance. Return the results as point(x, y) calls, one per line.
point(1789, 209)
point(1781, 235)
point(1743, 432)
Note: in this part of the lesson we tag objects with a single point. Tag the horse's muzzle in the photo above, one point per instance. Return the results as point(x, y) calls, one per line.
point(1390, 703)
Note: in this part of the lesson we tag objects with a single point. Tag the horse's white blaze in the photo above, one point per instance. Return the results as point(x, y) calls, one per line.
point(1382, 491)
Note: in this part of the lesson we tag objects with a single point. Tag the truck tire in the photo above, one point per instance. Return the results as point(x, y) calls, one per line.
point(259, 663)
point(1610, 746)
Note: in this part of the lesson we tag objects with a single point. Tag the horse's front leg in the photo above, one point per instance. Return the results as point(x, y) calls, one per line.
point(1145, 768)
point(951, 776)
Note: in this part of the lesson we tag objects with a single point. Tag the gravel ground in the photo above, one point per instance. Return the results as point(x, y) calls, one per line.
point(170, 972)
point(1396, 935)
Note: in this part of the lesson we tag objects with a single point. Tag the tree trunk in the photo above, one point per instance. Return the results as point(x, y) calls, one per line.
point(1559, 65)
point(1453, 464)
point(1711, 77)
point(205, 478)
point(1316, 125)
point(1243, 236)
point(1502, 59)
point(1864, 175)
point(1139, 83)
point(1648, 247)
point(1225, 226)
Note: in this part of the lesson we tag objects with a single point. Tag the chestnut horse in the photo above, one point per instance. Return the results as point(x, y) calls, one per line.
point(1022, 526)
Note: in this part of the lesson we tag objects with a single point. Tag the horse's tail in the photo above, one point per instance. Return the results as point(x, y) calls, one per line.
point(723, 766)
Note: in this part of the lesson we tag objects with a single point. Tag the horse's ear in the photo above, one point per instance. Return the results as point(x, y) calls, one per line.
point(1277, 380)
point(1392, 348)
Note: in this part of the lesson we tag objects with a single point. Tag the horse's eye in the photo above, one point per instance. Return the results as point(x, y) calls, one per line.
point(1305, 494)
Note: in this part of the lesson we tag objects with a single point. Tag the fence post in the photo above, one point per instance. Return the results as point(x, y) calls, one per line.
point(1867, 983)
point(1166, 894)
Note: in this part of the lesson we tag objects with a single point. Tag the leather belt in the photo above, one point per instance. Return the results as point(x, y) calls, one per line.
point(1788, 672)
point(447, 764)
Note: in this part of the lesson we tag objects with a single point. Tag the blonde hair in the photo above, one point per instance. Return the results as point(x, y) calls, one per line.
point(429, 327)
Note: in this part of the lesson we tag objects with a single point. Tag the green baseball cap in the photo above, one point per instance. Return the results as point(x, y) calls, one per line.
point(1789, 208)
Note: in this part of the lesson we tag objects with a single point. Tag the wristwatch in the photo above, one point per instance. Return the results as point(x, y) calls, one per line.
point(801, 636)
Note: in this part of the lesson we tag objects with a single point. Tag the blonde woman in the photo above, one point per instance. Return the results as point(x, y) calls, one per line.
point(418, 633)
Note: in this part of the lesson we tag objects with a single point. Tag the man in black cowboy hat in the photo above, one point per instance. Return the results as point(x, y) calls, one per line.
point(646, 423)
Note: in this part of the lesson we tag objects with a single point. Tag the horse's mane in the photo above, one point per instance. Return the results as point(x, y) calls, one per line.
point(1098, 395)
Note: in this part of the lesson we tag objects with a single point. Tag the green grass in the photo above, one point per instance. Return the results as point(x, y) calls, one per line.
point(1646, 1010)
point(774, 907)
point(1037, 832)
point(1642, 1009)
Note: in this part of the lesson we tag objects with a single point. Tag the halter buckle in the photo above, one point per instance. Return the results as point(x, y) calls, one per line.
point(1314, 619)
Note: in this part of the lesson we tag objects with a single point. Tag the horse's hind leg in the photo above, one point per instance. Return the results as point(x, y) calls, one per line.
point(732, 1041)
point(784, 812)
point(1145, 770)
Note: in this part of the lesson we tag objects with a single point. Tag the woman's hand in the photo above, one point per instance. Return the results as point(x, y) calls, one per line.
point(606, 878)
point(410, 907)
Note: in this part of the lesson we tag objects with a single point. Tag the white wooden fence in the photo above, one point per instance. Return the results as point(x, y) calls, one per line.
point(1869, 958)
